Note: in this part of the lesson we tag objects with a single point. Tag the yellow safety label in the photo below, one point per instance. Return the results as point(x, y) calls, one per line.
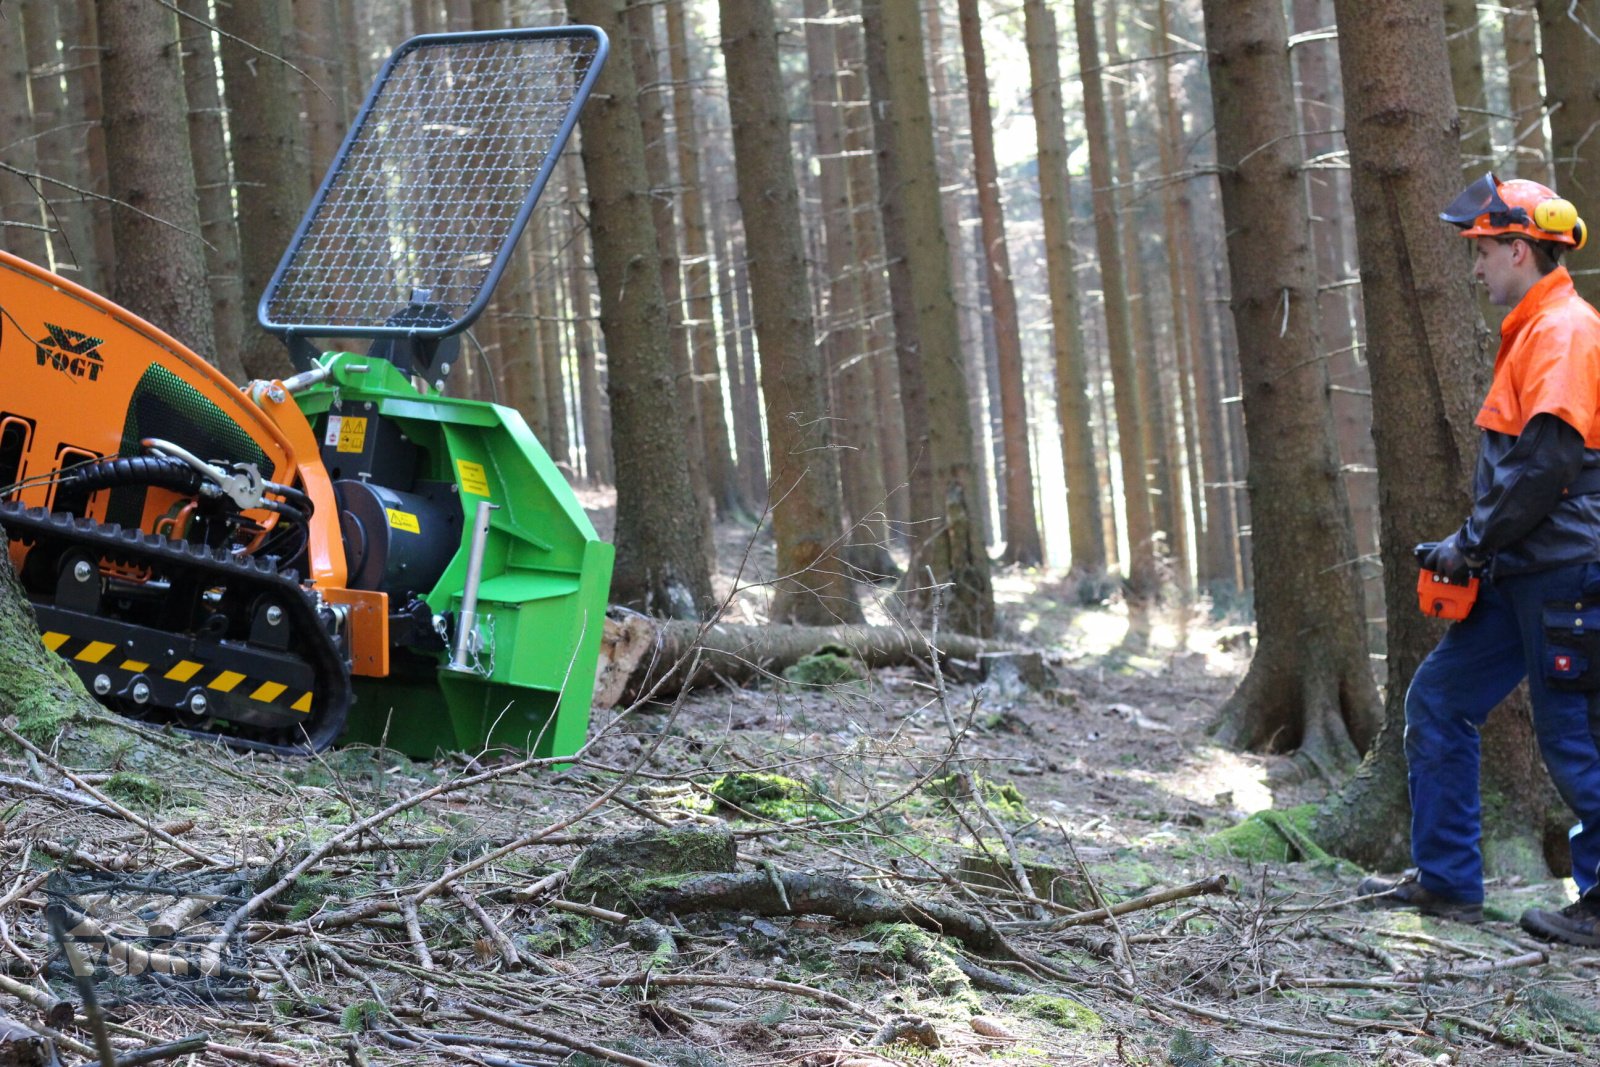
point(352, 434)
point(403, 520)
point(474, 479)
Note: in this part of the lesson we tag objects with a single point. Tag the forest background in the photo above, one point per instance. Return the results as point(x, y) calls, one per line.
point(1155, 297)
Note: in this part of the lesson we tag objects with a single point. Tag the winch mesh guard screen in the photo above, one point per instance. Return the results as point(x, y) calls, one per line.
point(434, 183)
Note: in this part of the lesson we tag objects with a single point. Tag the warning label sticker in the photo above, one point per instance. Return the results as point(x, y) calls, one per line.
point(352, 434)
point(473, 477)
point(403, 520)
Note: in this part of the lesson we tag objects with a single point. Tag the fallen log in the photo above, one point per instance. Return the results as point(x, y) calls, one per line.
point(640, 654)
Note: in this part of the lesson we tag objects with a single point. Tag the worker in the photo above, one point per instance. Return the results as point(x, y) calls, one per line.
point(1534, 539)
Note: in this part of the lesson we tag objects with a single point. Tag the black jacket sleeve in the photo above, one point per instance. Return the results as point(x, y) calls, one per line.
point(1524, 486)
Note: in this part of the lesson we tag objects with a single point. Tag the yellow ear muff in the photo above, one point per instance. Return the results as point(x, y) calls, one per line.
point(1555, 216)
point(1580, 234)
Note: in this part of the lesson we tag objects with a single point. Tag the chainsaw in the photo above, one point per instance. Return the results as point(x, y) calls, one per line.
point(1441, 597)
point(348, 552)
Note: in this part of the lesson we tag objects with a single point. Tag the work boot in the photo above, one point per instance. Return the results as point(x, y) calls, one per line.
point(1404, 891)
point(1577, 924)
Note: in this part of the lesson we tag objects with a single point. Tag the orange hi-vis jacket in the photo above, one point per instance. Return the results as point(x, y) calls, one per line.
point(1549, 362)
point(1536, 492)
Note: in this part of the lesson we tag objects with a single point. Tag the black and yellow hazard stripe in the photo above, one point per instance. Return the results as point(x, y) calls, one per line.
point(182, 671)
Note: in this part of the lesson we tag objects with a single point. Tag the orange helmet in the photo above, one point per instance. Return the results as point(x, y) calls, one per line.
point(1490, 207)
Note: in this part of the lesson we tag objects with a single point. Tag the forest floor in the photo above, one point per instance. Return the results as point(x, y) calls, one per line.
point(864, 812)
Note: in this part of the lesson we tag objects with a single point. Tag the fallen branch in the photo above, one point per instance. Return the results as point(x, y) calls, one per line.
point(556, 1036)
point(818, 894)
point(171, 1050)
point(739, 981)
point(1217, 883)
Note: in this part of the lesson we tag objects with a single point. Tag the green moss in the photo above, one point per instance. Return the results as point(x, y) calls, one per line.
point(1272, 836)
point(1060, 1011)
point(828, 665)
point(771, 796)
point(615, 870)
point(1004, 797)
point(134, 789)
point(42, 716)
point(360, 1016)
point(912, 945)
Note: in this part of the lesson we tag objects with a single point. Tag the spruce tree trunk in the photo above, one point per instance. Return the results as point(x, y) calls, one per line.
point(1085, 504)
point(22, 227)
point(56, 144)
point(1156, 417)
point(83, 102)
point(1572, 93)
point(1142, 577)
point(813, 585)
point(214, 185)
point(1466, 80)
point(1180, 288)
point(597, 465)
point(651, 103)
point(661, 550)
point(1023, 544)
point(1309, 687)
point(265, 137)
point(846, 332)
point(1429, 375)
point(721, 475)
point(547, 330)
point(161, 267)
point(1321, 116)
point(932, 377)
point(1531, 159)
point(316, 24)
point(866, 226)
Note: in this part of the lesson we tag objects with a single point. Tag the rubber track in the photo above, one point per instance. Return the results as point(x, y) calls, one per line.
point(135, 548)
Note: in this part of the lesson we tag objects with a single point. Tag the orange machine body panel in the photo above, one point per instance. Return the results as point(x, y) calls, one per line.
point(85, 378)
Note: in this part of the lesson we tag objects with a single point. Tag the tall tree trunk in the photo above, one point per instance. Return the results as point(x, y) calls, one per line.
point(1309, 687)
point(813, 585)
point(1321, 116)
point(749, 461)
point(1143, 578)
point(1085, 520)
point(721, 475)
point(1466, 79)
point(932, 378)
point(1023, 544)
point(953, 171)
point(597, 463)
point(847, 335)
point(1157, 421)
point(1181, 287)
point(264, 134)
point(1428, 377)
point(214, 184)
point(1531, 159)
point(651, 102)
point(1571, 57)
point(161, 267)
point(866, 226)
point(547, 330)
point(72, 242)
point(316, 25)
point(661, 545)
point(22, 227)
point(83, 100)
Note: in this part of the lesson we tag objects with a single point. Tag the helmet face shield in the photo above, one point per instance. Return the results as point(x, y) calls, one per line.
point(1481, 198)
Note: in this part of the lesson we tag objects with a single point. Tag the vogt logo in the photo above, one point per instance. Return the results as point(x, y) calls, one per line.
point(70, 352)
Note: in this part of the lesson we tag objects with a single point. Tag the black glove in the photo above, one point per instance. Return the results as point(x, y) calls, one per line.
point(1447, 559)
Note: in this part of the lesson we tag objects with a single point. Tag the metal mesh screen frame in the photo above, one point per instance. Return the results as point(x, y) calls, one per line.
point(433, 184)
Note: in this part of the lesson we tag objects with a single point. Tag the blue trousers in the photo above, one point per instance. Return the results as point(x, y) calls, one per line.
point(1479, 662)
